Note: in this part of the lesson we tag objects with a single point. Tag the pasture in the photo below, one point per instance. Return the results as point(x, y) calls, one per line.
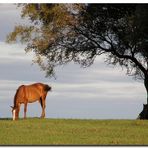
point(35, 131)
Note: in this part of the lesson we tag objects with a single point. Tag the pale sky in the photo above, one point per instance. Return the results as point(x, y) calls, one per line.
point(96, 92)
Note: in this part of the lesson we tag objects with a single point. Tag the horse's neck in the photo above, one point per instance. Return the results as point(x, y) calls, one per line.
point(17, 96)
point(16, 104)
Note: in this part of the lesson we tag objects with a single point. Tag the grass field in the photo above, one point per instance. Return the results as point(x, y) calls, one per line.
point(34, 131)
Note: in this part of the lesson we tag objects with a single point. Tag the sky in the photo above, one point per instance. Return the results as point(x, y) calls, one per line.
point(98, 92)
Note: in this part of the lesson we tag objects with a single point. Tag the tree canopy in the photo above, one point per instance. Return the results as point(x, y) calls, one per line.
point(60, 33)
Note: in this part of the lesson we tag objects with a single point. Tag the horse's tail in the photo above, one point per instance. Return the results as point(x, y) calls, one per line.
point(47, 87)
point(16, 95)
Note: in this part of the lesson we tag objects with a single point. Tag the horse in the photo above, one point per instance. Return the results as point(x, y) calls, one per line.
point(28, 94)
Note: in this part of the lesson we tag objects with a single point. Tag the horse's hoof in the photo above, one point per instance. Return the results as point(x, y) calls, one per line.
point(42, 117)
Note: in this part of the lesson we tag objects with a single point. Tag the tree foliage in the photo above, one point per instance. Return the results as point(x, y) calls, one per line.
point(50, 23)
point(60, 33)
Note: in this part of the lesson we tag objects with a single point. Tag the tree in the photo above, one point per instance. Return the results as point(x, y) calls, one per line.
point(61, 33)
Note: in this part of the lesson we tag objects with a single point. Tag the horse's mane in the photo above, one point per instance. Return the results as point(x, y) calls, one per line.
point(16, 96)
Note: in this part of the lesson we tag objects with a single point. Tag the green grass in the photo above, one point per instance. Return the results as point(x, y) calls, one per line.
point(34, 131)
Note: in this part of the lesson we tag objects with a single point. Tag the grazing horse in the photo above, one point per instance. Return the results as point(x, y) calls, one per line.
point(28, 94)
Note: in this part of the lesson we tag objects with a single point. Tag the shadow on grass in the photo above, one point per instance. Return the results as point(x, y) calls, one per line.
point(5, 118)
point(29, 118)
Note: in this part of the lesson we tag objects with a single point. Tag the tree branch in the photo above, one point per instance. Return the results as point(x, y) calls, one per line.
point(114, 51)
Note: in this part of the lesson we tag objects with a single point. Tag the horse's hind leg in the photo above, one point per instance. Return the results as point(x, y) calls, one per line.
point(43, 111)
point(25, 110)
point(42, 102)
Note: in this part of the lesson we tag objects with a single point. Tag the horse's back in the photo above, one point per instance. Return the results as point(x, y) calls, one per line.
point(41, 86)
point(35, 91)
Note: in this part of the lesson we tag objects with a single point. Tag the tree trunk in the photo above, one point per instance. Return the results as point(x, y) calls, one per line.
point(144, 113)
point(146, 85)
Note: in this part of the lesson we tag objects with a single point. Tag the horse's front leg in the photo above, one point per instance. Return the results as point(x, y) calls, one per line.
point(25, 110)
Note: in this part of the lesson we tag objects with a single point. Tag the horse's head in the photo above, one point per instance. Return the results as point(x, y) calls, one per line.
point(14, 112)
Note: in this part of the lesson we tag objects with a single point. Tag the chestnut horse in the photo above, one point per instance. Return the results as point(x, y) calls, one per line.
point(28, 94)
